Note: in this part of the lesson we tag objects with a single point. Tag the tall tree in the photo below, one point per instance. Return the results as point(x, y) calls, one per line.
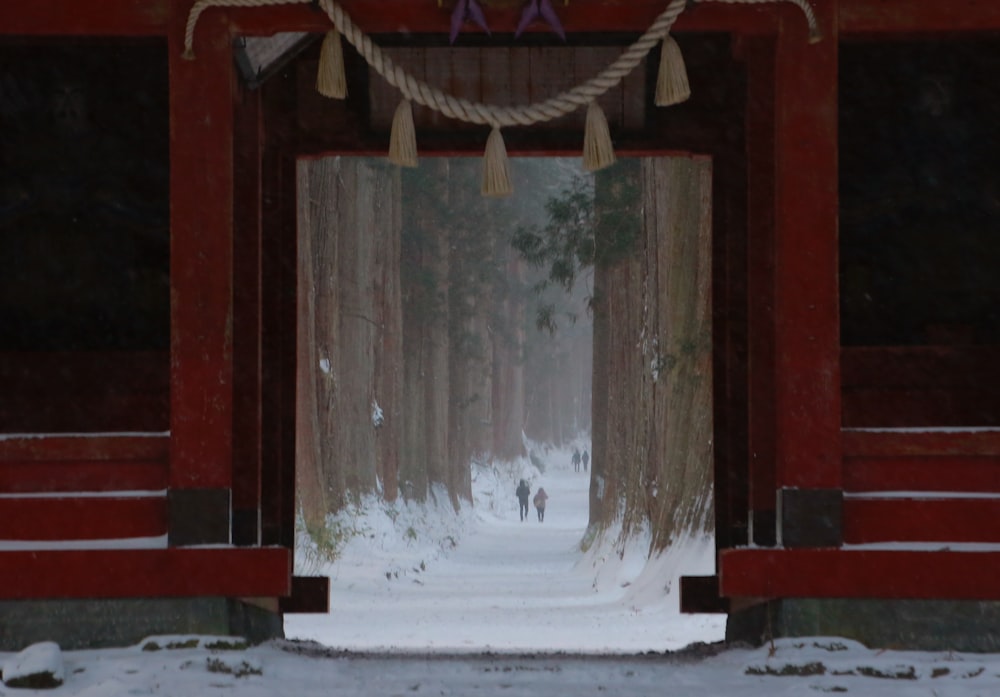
point(349, 227)
point(646, 230)
point(425, 328)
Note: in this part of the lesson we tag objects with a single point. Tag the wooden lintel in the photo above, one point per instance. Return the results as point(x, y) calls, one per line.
point(917, 16)
point(82, 18)
point(582, 17)
point(839, 573)
point(131, 18)
point(134, 573)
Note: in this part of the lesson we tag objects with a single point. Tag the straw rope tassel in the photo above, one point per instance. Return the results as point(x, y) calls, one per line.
point(496, 167)
point(330, 79)
point(598, 152)
point(403, 137)
point(672, 81)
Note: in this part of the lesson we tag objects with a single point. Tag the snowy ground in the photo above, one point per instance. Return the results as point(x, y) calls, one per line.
point(506, 585)
point(525, 610)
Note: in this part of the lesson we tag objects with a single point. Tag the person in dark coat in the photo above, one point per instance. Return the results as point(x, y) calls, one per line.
point(523, 492)
point(585, 458)
point(576, 460)
point(540, 498)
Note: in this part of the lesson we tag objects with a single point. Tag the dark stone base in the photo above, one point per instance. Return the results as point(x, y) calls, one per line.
point(92, 624)
point(923, 625)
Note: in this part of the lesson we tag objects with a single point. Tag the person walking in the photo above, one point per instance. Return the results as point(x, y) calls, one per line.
point(523, 492)
point(585, 458)
point(540, 498)
point(576, 460)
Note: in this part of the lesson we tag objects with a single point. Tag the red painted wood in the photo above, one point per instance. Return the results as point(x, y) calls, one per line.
point(868, 520)
point(914, 473)
point(917, 16)
point(248, 138)
point(834, 573)
point(85, 18)
point(147, 573)
point(920, 386)
point(966, 461)
point(806, 309)
point(309, 594)
point(55, 448)
point(76, 518)
point(201, 255)
point(83, 463)
point(86, 391)
point(582, 16)
point(921, 443)
point(759, 56)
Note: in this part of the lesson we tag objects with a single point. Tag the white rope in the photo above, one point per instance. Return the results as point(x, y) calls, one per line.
point(478, 112)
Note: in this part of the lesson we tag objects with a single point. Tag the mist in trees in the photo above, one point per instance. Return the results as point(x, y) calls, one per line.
point(439, 327)
point(418, 350)
point(643, 227)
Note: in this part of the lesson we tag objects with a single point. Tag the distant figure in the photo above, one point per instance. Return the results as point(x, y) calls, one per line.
point(585, 458)
point(576, 460)
point(539, 501)
point(523, 492)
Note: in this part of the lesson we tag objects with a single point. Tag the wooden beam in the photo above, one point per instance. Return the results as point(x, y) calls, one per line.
point(917, 16)
point(700, 594)
point(836, 573)
point(922, 473)
point(83, 18)
point(868, 520)
point(926, 443)
point(201, 255)
point(406, 17)
point(145, 573)
point(309, 594)
point(806, 303)
point(83, 518)
point(83, 463)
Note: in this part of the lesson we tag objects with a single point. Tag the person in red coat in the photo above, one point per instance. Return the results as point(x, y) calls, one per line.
point(539, 501)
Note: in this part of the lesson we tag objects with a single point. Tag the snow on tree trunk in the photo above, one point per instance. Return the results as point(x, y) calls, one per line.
point(351, 216)
point(311, 370)
point(680, 347)
point(652, 420)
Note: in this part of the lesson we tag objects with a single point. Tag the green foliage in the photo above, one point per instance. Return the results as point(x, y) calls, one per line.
point(327, 539)
point(590, 222)
point(239, 669)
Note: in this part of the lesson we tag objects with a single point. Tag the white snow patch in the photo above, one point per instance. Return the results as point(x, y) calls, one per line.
point(44, 657)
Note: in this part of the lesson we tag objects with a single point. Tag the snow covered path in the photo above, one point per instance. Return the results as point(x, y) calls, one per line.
point(507, 586)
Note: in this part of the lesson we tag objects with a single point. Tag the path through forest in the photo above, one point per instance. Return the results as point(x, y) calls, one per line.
point(507, 585)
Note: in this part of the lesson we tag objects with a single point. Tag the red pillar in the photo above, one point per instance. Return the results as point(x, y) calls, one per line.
point(806, 309)
point(201, 281)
